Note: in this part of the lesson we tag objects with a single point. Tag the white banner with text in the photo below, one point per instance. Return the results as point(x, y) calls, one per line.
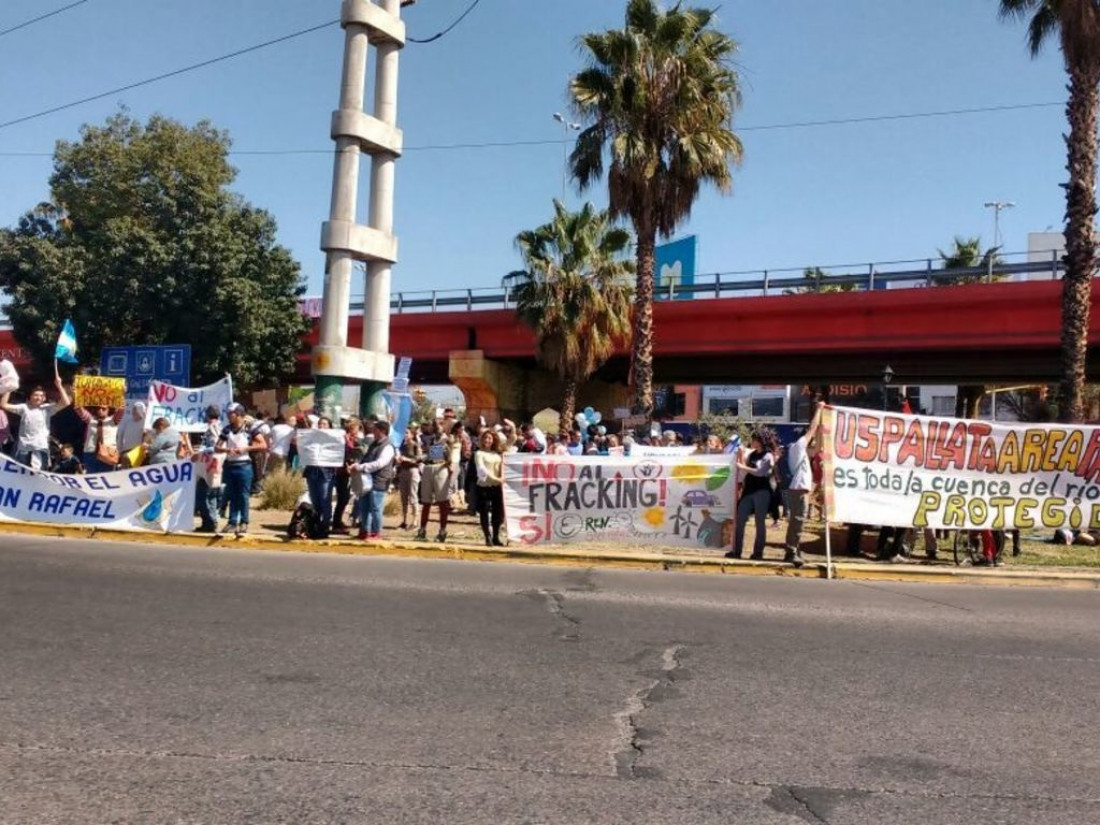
point(946, 473)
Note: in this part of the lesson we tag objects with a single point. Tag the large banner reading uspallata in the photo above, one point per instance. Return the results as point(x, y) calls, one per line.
point(946, 473)
point(159, 498)
point(686, 501)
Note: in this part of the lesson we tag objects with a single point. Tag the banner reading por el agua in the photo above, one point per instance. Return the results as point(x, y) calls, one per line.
point(159, 498)
point(686, 501)
point(185, 407)
point(924, 471)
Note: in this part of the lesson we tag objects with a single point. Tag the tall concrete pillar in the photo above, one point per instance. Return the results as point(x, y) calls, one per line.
point(343, 238)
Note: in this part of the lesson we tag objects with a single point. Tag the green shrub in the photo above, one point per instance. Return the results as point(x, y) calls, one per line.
point(281, 490)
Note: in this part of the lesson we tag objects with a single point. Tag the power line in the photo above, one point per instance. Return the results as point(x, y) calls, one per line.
point(167, 75)
point(904, 116)
point(450, 28)
point(41, 17)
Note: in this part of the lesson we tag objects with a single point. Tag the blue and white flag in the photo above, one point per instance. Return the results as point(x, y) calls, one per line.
point(733, 444)
point(66, 344)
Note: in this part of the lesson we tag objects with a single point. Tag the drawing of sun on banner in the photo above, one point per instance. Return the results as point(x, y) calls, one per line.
point(685, 501)
point(946, 473)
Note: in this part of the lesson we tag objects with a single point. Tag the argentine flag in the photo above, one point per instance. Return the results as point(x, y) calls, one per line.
point(66, 344)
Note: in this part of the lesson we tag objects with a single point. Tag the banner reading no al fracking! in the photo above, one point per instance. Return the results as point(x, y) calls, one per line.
point(160, 498)
point(684, 501)
point(921, 471)
point(185, 407)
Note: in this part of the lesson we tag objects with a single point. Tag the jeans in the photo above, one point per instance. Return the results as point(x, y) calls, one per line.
point(755, 504)
point(38, 459)
point(319, 480)
point(206, 502)
point(796, 515)
point(94, 465)
point(370, 511)
point(238, 485)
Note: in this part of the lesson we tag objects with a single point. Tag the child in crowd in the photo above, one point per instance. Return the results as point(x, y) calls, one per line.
point(67, 462)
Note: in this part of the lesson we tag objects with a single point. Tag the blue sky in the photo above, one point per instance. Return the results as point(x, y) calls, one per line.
point(824, 195)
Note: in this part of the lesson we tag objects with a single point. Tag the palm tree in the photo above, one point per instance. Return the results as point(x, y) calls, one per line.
point(966, 253)
point(574, 292)
point(658, 97)
point(819, 281)
point(1077, 25)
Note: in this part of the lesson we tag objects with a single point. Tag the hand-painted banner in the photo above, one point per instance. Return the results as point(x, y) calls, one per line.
point(149, 499)
point(185, 407)
point(682, 502)
point(945, 473)
point(99, 391)
point(320, 448)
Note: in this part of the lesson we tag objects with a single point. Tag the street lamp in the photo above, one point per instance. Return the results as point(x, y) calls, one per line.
point(996, 206)
point(887, 379)
point(567, 127)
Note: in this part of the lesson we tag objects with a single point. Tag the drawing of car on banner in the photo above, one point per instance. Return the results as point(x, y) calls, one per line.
point(699, 498)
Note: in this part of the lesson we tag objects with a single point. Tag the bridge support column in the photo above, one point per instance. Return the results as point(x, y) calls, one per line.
point(497, 390)
point(492, 389)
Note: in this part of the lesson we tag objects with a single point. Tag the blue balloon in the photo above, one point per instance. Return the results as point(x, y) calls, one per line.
point(597, 418)
point(589, 412)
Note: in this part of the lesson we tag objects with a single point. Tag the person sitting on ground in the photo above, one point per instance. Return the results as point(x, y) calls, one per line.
point(67, 462)
point(32, 446)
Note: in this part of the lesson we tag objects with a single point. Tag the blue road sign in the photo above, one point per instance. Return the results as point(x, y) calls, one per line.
point(140, 365)
point(676, 268)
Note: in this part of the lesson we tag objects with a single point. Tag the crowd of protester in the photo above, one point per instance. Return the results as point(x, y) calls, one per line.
point(438, 465)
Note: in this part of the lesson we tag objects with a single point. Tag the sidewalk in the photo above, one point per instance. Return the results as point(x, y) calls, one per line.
point(464, 542)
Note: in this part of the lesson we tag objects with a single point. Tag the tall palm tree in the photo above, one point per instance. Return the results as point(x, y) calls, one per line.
point(1076, 23)
point(574, 292)
point(657, 97)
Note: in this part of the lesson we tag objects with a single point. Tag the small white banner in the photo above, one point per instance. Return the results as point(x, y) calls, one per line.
point(185, 407)
point(320, 448)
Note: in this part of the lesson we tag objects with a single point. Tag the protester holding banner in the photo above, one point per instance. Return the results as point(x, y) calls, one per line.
point(321, 452)
point(490, 492)
point(33, 444)
point(164, 443)
point(101, 454)
point(210, 464)
point(799, 455)
point(756, 494)
point(237, 445)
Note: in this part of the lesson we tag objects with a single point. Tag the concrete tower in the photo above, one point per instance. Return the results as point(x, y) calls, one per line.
point(366, 23)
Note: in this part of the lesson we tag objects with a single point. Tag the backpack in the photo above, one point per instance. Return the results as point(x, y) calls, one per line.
point(305, 523)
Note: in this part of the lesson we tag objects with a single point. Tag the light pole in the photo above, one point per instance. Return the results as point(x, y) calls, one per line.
point(887, 379)
point(996, 206)
point(567, 127)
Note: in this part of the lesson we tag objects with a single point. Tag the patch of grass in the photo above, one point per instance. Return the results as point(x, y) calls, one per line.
point(281, 490)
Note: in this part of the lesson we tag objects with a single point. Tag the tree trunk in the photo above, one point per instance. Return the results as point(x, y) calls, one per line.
point(642, 353)
point(1081, 111)
point(968, 400)
point(568, 406)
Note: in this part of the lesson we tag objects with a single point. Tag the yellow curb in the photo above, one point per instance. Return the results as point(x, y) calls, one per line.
point(687, 563)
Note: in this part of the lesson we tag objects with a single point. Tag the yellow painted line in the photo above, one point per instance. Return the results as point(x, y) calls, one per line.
point(563, 556)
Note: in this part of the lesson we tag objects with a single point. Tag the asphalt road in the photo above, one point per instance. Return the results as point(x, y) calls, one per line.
point(163, 685)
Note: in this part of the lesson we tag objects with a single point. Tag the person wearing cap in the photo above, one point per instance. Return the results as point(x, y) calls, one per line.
point(237, 445)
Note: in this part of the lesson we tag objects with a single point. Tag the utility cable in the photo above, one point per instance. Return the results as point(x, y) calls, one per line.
point(167, 75)
point(41, 17)
point(450, 28)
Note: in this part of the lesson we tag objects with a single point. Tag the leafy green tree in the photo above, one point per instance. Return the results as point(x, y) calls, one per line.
point(1076, 24)
point(574, 292)
point(143, 243)
point(966, 253)
point(658, 98)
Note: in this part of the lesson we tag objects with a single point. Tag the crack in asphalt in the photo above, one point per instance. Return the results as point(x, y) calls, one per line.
point(569, 626)
point(628, 748)
point(245, 758)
